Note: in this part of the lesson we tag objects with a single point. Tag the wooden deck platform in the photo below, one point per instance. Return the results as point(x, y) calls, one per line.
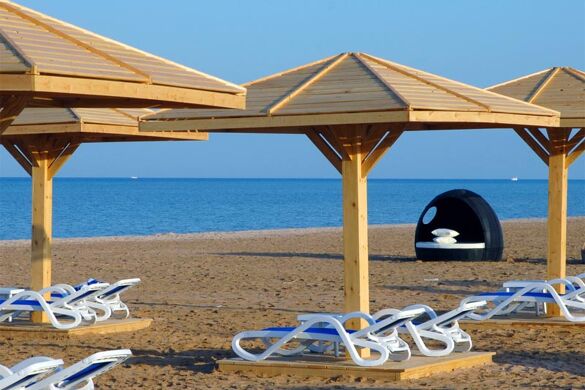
point(329, 366)
point(521, 322)
point(27, 329)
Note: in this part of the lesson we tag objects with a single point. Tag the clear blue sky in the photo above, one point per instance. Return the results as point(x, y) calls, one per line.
point(477, 42)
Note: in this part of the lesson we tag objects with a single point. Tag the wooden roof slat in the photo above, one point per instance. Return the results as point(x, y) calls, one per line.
point(272, 109)
point(543, 85)
point(18, 51)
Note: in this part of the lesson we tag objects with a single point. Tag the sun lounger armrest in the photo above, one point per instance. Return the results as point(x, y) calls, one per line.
point(577, 280)
point(62, 289)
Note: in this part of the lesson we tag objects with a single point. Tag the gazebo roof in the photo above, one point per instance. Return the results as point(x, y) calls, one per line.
point(353, 88)
point(64, 65)
point(559, 88)
point(89, 125)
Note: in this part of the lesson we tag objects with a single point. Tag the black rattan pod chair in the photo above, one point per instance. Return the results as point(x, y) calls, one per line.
point(480, 233)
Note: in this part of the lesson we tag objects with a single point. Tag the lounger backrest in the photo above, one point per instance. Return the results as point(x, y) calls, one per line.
point(26, 375)
point(118, 288)
point(382, 326)
point(84, 370)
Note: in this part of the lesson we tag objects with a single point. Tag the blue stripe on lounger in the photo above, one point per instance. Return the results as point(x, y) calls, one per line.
point(509, 294)
point(16, 385)
point(331, 331)
point(26, 302)
point(114, 291)
point(85, 373)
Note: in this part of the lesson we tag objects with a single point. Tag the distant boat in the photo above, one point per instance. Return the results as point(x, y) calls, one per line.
point(514, 178)
point(136, 177)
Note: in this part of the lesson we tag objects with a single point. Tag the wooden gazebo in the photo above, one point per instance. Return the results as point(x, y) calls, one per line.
point(45, 62)
point(561, 89)
point(353, 107)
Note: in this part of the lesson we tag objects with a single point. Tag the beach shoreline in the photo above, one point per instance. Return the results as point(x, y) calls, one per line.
point(241, 234)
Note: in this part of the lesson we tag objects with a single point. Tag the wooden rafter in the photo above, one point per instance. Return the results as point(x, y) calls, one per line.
point(428, 82)
point(11, 109)
point(579, 74)
point(327, 149)
point(380, 149)
point(322, 72)
point(383, 81)
point(535, 146)
point(62, 158)
point(541, 138)
point(576, 153)
point(19, 156)
point(330, 136)
point(543, 85)
point(558, 140)
point(578, 137)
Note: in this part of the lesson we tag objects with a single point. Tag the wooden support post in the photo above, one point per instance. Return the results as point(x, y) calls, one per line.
point(557, 210)
point(42, 213)
point(355, 241)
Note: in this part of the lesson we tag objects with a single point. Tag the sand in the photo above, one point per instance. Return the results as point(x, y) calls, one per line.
point(201, 289)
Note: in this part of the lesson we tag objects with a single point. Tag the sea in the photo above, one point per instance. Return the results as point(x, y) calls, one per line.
point(90, 207)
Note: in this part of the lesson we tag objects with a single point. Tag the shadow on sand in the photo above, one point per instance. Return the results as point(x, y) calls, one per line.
point(320, 256)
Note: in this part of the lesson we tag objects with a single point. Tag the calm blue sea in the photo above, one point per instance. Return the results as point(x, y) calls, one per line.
point(112, 207)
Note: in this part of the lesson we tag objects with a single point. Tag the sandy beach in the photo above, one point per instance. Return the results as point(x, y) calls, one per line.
point(201, 289)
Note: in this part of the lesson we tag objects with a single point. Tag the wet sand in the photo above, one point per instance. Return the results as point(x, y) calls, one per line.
point(201, 289)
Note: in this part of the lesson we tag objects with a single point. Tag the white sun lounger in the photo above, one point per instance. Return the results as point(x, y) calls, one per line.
point(535, 293)
point(381, 337)
point(31, 301)
point(443, 328)
point(27, 372)
point(80, 375)
point(106, 302)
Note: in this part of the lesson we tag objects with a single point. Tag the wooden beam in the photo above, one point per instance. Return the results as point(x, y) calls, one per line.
point(86, 92)
point(576, 153)
point(322, 72)
point(42, 203)
point(61, 159)
point(544, 142)
point(575, 139)
point(11, 109)
point(380, 150)
point(325, 148)
point(443, 120)
point(332, 137)
point(543, 85)
point(535, 146)
point(18, 156)
point(355, 240)
point(557, 223)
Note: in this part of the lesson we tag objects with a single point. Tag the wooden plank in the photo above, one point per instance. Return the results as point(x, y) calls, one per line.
point(557, 223)
point(273, 108)
point(355, 240)
point(381, 149)
point(535, 146)
point(446, 118)
point(85, 92)
point(331, 367)
point(44, 331)
point(18, 156)
point(326, 149)
point(543, 85)
point(11, 109)
point(42, 205)
point(331, 136)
